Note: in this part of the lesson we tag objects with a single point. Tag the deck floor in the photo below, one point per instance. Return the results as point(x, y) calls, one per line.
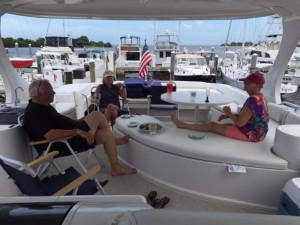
point(137, 185)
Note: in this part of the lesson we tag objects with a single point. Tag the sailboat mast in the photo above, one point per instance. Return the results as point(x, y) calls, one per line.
point(243, 45)
point(226, 43)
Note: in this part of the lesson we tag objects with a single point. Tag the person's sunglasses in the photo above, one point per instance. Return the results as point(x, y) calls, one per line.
point(37, 90)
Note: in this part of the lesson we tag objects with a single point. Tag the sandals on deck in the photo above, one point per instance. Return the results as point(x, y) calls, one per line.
point(157, 203)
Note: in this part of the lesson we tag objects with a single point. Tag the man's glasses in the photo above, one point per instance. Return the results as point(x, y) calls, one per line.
point(37, 90)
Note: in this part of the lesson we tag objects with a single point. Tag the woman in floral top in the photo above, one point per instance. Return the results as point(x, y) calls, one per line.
point(251, 124)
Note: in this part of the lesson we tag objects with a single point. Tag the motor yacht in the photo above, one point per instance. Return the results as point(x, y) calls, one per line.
point(214, 169)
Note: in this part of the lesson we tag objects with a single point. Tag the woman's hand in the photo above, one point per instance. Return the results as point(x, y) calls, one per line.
point(226, 114)
point(227, 110)
point(120, 86)
point(222, 117)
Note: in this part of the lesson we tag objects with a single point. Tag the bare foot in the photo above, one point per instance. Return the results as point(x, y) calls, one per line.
point(176, 121)
point(122, 140)
point(118, 169)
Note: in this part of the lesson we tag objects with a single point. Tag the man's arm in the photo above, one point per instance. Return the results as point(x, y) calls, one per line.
point(59, 133)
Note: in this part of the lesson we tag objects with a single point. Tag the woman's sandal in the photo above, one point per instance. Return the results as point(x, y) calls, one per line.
point(151, 197)
point(161, 203)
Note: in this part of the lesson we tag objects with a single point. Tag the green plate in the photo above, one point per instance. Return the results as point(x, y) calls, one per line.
point(125, 116)
point(133, 124)
point(197, 135)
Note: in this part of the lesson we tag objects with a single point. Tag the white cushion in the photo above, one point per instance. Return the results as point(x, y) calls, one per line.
point(286, 144)
point(209, 149)
point(276, 111)
point(65, 108)
point(292, 118)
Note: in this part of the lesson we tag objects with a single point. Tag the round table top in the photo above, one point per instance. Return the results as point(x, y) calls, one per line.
point(290, 129)
point(185, 98)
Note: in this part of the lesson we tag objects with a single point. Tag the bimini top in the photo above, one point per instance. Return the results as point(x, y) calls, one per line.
point(151, 9)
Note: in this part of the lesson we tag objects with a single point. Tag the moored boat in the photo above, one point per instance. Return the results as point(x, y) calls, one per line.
point(18, 63)
point(128, 57)
point(165, 44)
point(192, 67)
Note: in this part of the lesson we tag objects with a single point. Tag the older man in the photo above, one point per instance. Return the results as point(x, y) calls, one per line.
point(42, 121)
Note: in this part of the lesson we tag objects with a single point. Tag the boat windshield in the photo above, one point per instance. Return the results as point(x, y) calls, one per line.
point(191, 61)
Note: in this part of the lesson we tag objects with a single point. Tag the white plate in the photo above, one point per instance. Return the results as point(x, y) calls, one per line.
point(125, 116)
point(197, 135)
point(132, 124)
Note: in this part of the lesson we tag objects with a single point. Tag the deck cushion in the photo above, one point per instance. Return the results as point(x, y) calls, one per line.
point(176, 141)
point(292, 118)
point(137, 87)
point(276, 112)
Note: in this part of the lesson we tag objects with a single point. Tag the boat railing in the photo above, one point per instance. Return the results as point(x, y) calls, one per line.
point(292, 106)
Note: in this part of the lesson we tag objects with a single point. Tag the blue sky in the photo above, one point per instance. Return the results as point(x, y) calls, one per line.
point(201, 32)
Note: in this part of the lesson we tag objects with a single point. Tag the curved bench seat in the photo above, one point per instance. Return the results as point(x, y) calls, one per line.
point(201, 167)
point(176, 141)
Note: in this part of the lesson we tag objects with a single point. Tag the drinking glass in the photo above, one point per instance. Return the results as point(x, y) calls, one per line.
point(169, 87)
point(152, 128)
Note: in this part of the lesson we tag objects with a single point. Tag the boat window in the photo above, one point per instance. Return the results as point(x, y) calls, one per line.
point(256, 52)
point(161, 54)
point(202, 61)
point(132, 56)
point(168, 54)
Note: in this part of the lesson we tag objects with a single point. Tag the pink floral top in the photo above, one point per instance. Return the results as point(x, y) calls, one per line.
point(257, 127)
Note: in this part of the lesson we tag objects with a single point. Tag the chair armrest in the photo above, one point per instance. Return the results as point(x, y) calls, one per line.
point(125, 100)
point(41, 159)
point(48, 141)
point(77, 182)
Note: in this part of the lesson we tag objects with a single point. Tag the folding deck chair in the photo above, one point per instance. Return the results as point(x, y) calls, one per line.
point(43, 167)
point(70, 182)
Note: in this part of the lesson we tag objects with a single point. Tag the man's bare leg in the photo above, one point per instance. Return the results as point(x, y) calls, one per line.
point(106, 137)
point(103, 135)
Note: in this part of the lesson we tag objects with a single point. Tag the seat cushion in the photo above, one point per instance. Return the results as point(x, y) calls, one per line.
point(136, 87)
point(61, 180)
point(276, 112)
point(292, 118)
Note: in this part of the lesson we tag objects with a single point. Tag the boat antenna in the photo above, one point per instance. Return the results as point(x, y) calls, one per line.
point(48, 27)
point(64, 31)
point(179, 25)
point(154, 25)
point(243, 45)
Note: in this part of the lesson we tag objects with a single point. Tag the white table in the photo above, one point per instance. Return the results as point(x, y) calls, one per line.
point(185, 98)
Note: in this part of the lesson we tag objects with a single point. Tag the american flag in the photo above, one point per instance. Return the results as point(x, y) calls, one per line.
point(146, 59)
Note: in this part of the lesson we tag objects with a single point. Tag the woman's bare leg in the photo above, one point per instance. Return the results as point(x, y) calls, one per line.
point(206, 127)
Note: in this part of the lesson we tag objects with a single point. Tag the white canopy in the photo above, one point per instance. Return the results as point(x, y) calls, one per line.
point(151, 9)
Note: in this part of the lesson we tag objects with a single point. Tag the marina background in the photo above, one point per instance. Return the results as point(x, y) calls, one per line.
point(24, 51)
point(292, 98)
